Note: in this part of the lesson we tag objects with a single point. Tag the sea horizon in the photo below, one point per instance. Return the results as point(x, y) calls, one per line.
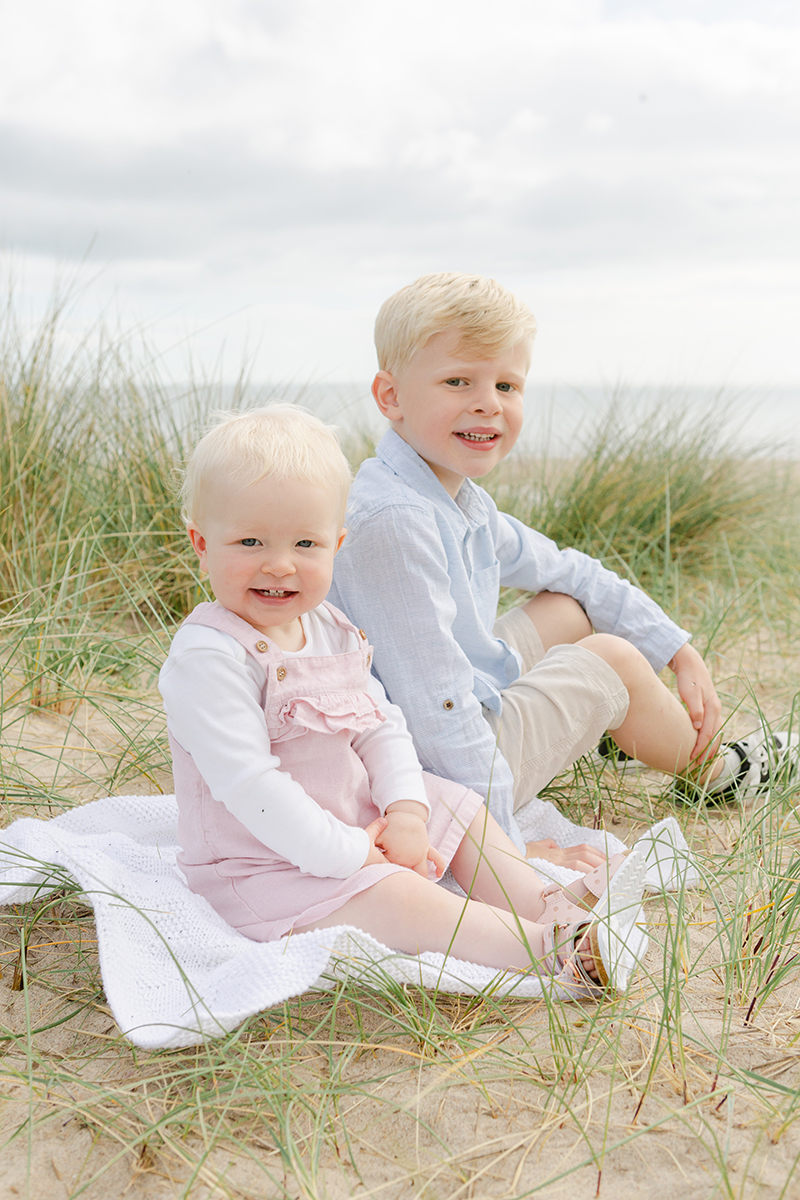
point(560, 419)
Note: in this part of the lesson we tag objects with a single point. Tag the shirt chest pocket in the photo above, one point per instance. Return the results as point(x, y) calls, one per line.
point(485, 587)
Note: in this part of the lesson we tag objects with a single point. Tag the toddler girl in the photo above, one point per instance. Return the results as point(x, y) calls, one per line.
point(301, 800)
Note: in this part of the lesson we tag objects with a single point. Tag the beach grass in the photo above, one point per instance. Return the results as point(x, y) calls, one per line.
point(687, 1086)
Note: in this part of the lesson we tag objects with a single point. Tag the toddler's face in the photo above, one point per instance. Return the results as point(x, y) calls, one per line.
point(269, 549)
point(461, 416)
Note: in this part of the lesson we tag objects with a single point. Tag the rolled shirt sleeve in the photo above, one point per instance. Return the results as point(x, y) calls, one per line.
point(533, 562)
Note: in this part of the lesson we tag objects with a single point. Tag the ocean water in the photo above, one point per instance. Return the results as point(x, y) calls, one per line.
point(562, 420)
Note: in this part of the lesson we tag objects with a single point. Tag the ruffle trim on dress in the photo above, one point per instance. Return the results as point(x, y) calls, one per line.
point(354, 711)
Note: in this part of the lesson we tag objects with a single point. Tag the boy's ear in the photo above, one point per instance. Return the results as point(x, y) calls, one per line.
point(199, 543)
point(342, 536)
point(384, 389)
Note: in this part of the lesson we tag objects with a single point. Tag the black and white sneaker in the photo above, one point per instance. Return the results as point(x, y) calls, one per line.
point(608, 753)
point(751, 766)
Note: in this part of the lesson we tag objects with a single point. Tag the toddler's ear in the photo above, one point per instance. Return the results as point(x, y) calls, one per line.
point(342, 536)
point(199, 543)
point(384, 389)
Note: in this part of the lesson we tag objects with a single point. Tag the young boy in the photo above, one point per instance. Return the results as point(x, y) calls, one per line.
point(504, 705)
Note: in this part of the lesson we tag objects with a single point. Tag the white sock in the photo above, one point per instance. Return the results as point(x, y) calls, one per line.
point(731, 765)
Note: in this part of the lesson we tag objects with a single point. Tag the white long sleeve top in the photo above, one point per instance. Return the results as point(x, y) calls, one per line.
point(213, 693)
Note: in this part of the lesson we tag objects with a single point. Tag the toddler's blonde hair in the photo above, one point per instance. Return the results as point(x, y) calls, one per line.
point(283, 441)
point(487, 316)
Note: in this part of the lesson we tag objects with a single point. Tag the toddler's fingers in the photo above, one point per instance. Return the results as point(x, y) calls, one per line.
point(375, 829)
point(438, 861)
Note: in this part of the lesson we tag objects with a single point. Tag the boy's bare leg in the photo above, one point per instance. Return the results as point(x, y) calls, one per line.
point(657, 729)
point(559, 620)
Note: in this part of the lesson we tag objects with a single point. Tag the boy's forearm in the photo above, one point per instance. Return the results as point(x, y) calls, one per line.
point(614, 605)
point(683, 657)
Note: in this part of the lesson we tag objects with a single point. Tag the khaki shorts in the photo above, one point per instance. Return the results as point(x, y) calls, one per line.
point(556, 711)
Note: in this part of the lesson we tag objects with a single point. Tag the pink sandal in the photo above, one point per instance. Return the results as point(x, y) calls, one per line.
point(586, 891)
point(562, 963)
point(615, 932)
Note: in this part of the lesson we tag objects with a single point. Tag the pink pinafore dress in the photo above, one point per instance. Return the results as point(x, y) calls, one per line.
point(314, 707)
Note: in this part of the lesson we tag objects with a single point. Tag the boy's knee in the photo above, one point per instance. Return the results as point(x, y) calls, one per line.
point(559, 619)
point(619, 653)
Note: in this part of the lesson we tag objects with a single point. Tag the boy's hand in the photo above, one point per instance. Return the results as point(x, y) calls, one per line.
point(373, 832)
point(697, 691)
point(404, 841)
point(582, 858)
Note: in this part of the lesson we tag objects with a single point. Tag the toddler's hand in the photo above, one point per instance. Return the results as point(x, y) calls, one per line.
point(373, 832)
point(405, 842)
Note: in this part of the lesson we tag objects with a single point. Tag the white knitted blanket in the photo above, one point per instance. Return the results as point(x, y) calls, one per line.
point(175, 973)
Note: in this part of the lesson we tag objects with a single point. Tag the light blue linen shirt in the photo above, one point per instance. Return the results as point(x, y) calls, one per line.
point(421, 574)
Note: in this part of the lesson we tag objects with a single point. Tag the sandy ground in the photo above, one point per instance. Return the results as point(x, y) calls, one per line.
point(476, 1100)
point(496, 1124)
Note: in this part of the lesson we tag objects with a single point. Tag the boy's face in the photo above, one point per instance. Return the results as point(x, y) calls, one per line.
point(461, 416)
point(268, 549)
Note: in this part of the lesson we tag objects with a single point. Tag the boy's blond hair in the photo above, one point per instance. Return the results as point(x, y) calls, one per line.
point(283, 441)
point(488, 317)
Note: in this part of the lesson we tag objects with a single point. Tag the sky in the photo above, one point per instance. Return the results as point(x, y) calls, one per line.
point(247, 180)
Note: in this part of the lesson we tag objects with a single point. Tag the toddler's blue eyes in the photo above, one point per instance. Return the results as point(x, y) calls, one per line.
point(305, 542)
point(504, 387)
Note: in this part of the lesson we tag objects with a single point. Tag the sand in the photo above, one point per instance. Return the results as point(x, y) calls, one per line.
point(405, 1095)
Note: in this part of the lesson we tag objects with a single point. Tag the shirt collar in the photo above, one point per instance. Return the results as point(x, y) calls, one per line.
point(413, 470)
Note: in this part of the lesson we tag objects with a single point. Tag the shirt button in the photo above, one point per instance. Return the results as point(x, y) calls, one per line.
point(364, 636)
point(262, 646)
point(448, 704)
point(281, 673)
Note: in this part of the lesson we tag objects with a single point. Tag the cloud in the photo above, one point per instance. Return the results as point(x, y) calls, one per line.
point(252, 145)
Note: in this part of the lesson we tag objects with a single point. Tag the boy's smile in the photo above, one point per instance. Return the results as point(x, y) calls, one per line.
point(268, 548)
point(462, 416)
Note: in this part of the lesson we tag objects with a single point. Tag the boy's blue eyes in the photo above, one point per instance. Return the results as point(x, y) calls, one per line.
point(305, 543)
point(501, 387)
point(249, 541)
